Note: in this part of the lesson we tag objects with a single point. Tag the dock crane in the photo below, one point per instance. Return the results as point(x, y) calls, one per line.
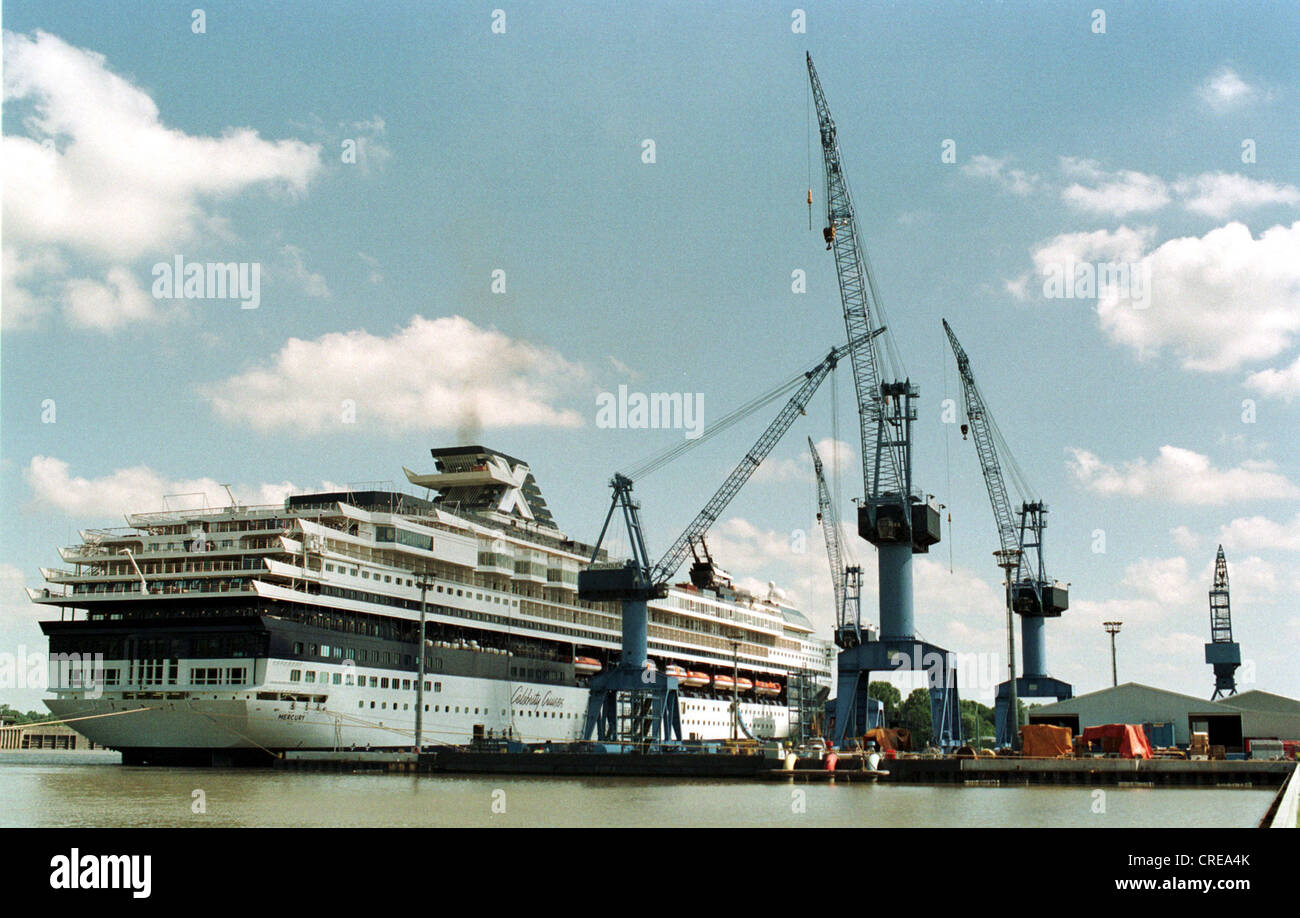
point(1030, 593)
point(633, 703)
point(896, 520)
point(846, 579)
point(1223, 653)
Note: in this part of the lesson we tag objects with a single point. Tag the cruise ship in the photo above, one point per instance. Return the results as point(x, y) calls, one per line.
point(220, 635)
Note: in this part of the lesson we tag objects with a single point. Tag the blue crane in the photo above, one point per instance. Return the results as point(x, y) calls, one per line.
point(846, 579)
point(1223, 653)
point(1031, 594)
point(893, 517)
point(649, 698)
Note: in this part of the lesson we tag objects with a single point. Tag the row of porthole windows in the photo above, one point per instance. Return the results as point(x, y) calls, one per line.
point(381, 682)
point(388, 578)
point(457, 709)
point(554, 715)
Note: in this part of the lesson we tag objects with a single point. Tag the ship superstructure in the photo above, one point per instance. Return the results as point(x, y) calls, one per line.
point(239, 631)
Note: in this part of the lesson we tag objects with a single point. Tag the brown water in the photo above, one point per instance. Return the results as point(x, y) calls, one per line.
point(92, 789)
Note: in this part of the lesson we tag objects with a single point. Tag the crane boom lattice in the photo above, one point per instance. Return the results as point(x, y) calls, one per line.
point(860, 300)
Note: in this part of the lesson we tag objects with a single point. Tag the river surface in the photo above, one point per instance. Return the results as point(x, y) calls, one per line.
point(93, 789)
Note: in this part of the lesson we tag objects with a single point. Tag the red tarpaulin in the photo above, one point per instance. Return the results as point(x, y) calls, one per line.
point(1044, 741)
point(1129, 740)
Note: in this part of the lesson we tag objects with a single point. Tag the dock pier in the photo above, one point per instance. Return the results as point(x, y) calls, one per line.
point(936, 770)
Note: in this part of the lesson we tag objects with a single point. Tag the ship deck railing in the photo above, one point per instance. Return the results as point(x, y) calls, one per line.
point(155, 517)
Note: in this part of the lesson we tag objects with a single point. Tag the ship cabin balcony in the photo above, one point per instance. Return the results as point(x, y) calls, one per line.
point(531, 566)
point(496, 562)
point(84, 553)
point(563, 575)
point(196, 587)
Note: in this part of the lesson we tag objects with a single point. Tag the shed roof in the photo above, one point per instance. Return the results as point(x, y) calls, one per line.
point(1133, 690)
point(1255, 700)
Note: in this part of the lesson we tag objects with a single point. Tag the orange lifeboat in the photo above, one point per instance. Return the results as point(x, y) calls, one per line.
point(675, 671)
point(744, 684)
point(767, 688)
point(723, 683)
point(586, 665)
point(696, 680)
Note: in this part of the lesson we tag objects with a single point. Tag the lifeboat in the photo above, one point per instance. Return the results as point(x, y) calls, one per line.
point(586, 665)
point(675, 672)
point(723, 683)
point(696, 680)
point(767, 688)
point(744, 684)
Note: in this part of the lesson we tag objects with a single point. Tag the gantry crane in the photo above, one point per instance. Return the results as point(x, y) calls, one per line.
point(1030, 593)
point(649, 709)
point(846, 579)
point(1223, 653)
point(896, 520)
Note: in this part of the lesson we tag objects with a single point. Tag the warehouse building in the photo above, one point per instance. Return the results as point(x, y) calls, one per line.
point(42, 736)
point(1230, 722)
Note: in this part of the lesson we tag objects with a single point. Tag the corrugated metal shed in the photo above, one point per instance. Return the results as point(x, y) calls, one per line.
point(1260, 714)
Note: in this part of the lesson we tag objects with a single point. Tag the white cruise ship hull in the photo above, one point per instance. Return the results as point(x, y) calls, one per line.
point(260, 722)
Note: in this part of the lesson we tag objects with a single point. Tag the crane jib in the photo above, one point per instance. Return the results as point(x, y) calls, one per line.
point(883, 467)
point(1020, 541)
point(795, 407)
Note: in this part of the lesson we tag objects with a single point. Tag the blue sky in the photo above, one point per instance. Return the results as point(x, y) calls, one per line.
point(130, 139)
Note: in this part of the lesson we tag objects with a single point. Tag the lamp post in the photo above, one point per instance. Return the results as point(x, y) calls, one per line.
point(1009, 560)
point(419, 682)
point(735, 689)
point(1112, 628)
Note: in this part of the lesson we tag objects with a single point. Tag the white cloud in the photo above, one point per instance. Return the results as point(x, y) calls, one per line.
point(1086, 616)
point(100, 176)
point(310, 283)
point(1184, 538)
point(776, 471)
point(1220, 194)
point(1259, 532)
point(1016, 181)
point(1283, 383)
point(796, 563)
point(444, 373)
point(1161, 580)
point(960, 610)
point(1123, 244)
point(836, 455)
point(1114, 194)
point(372, 152)
point(376, 276)
point(1180, 476)
point(22, 306)
point(14, 601)
point(621, 368)
point(1255, 583)
point(1174, 645)
point(1225, 89)
point(1218, 301)
point(138, 489)
point(90, 304)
